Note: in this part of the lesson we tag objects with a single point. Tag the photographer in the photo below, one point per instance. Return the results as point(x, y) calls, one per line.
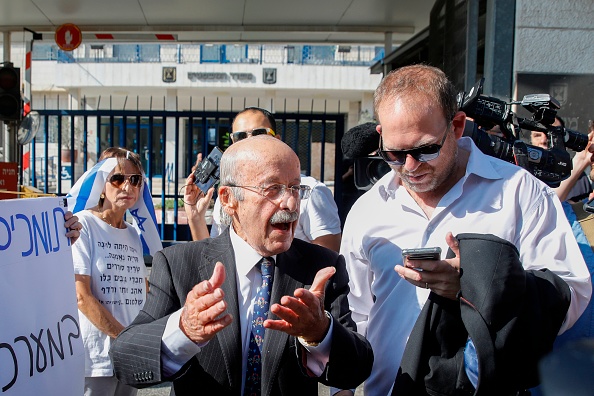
point(577, 186)
point(442, 186)
point(582, 224)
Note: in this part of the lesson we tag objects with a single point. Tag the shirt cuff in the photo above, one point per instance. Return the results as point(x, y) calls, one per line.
point(319, 355)
point(176, 347)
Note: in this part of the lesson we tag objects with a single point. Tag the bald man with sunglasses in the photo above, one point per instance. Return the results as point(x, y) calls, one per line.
point(319, 222)
point(441, 185)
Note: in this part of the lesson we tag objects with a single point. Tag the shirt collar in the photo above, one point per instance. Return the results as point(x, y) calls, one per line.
point(245, 256)
point(479, 163)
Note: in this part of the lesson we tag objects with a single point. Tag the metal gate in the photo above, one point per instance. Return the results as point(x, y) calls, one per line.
point(70, 141)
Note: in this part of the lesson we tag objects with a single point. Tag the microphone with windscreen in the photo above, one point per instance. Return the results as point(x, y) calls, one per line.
point(360, 141)
point(357, 144)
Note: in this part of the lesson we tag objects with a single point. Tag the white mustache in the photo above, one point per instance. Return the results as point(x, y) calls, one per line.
point(284, 216)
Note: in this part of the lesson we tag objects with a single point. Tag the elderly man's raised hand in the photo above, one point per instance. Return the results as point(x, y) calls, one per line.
point(303, 315)
point(201, 316)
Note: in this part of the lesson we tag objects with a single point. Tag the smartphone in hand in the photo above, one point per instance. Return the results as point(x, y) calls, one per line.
point(427, 253)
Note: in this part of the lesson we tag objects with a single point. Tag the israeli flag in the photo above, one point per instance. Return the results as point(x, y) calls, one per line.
point(87, 189)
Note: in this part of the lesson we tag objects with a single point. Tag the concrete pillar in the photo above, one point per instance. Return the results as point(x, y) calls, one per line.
point(353, 114)
point(6, 46)
point(367, 114)
point(499, 47)
point(387, 49)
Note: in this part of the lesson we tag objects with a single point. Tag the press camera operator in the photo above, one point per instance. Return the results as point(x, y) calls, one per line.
point(577, 186)
point(442, 187)
point(580, 217)
point(574, 191)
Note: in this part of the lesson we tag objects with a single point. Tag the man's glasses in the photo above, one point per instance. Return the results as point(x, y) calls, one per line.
point(237, 136)
point(277, 191)
point(117, 179)
point(422, 154)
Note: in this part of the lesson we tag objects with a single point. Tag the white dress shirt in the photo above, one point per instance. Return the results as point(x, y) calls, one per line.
point(493, 197)
point(177, 348)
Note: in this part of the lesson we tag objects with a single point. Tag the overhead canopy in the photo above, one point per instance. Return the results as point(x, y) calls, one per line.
point(224, 21)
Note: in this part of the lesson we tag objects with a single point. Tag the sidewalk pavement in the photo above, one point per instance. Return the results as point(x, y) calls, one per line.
point(163, 390)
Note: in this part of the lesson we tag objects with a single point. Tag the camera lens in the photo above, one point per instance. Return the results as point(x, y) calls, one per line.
point(575, 140)
point(369, 170)
point(376, 169)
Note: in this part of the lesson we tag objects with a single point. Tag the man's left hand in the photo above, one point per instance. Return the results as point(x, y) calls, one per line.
point(441, 276)
point(303, 315)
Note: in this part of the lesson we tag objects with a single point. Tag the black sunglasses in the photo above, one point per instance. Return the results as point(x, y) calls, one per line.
point(422, 154)
point(117, 179)
point(237, 136)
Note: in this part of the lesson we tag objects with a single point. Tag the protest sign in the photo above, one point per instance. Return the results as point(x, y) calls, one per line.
point(41, 351)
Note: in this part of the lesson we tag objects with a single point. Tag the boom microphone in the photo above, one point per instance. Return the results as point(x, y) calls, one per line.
point(360, 141)
point(357, 144)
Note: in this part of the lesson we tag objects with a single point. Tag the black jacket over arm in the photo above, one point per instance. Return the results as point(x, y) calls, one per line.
point(512, 316)
point(216, 369)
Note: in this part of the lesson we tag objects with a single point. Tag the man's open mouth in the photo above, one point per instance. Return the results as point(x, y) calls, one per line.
point(282, 226)
point(282, 220)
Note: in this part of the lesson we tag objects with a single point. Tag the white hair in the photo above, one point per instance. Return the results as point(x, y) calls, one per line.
point(229, 177)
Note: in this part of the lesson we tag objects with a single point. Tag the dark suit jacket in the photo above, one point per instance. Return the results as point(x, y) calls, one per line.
point(512, 315)
point(216, 369)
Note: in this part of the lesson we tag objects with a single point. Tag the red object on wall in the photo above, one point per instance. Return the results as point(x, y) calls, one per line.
point(68, 37)
point(9, 179)
point(26, 159)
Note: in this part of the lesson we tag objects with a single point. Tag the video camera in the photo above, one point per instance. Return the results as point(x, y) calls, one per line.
point(368, 170)
point(551, 165)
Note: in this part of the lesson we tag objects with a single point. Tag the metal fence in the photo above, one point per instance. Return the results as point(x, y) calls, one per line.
point(70, 141)
point(328, 55)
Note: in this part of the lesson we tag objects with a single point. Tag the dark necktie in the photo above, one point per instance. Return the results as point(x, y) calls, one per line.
point(253, 373)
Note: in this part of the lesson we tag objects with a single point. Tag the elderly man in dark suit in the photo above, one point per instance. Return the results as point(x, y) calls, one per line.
point(253, 311)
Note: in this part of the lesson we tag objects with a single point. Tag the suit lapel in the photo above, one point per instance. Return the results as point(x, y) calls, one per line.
point(275, 341)
point(229, 338)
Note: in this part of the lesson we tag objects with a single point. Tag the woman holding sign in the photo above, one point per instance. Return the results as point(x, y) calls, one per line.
point(109, 268)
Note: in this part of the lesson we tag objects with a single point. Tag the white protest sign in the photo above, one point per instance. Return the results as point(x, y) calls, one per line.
point(41, 351)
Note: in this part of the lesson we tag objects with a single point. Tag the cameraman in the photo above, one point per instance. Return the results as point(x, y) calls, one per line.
point(442, 185)
point(577, 186)
point(582, 224)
